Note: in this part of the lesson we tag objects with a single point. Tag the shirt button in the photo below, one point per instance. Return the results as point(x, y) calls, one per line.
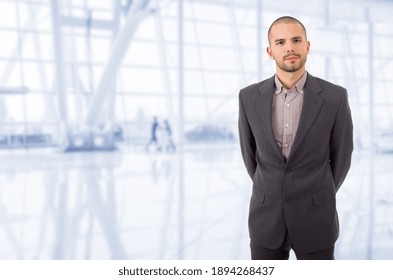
point(287, 125)
point(288, 105)
point(286, 145)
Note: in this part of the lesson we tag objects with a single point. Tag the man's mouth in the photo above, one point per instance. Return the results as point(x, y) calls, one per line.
point(292, 57)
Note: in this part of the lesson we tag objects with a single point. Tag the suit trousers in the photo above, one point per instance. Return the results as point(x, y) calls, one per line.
point(282, 253)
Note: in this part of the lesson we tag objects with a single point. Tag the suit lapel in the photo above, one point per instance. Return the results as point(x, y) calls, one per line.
point(312, 103)
point(263, 107)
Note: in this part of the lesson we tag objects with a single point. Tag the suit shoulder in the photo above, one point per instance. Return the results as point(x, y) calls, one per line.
point(252, 89)
point(330, 87)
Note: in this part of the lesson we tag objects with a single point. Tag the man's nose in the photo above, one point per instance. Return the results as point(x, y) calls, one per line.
point(290, 48)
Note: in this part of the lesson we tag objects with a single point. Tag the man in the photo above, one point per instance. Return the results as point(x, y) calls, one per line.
point(155, 126)
point(296, 142)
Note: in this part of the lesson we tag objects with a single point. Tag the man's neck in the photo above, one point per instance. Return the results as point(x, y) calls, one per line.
point(289, 79)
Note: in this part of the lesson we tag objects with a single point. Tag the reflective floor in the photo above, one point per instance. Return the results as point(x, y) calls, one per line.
point(130, 204)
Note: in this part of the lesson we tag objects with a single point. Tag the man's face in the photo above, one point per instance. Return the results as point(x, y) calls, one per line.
point(288, 46)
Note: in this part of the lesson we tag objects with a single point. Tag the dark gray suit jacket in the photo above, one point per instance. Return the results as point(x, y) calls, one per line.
point(297, 195)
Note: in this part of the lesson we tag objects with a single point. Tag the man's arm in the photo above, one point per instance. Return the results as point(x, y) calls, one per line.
point(341, 142)
point(247, 141)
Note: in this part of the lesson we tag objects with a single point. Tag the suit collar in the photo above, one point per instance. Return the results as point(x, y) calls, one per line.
point(311, 105)
point(263, 107)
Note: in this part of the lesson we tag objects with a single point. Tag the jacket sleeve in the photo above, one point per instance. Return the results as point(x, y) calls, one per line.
point(341, 142)
point(247, 141)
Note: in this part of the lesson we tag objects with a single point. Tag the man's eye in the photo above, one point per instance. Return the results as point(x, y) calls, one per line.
point(280, 43)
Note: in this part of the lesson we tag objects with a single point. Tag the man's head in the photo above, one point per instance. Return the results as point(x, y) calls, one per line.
point(288, 44)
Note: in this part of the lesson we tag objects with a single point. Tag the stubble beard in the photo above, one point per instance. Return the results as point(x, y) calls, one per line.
point(292, 68)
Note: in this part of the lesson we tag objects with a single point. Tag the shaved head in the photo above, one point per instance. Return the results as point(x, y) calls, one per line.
point(286, 19)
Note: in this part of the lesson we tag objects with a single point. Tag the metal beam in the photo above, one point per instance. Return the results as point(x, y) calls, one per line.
point(14, 90)
point(371, 134)
point(82, 22)
point(181, 120)
point(110, 106)
point(259, 40)
point(138, 11)
point(58, 60)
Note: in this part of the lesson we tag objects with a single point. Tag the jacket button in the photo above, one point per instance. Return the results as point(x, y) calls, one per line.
point(288, 200)
point(287, 170)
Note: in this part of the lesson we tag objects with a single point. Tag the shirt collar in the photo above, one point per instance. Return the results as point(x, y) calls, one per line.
point(298, 87)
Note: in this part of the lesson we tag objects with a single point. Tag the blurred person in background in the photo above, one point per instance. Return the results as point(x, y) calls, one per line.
point(155, 126)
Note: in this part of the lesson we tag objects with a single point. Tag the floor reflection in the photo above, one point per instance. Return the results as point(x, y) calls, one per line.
point(130, 204)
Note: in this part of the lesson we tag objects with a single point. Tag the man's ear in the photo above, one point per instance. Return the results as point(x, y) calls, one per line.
point(269, 52)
